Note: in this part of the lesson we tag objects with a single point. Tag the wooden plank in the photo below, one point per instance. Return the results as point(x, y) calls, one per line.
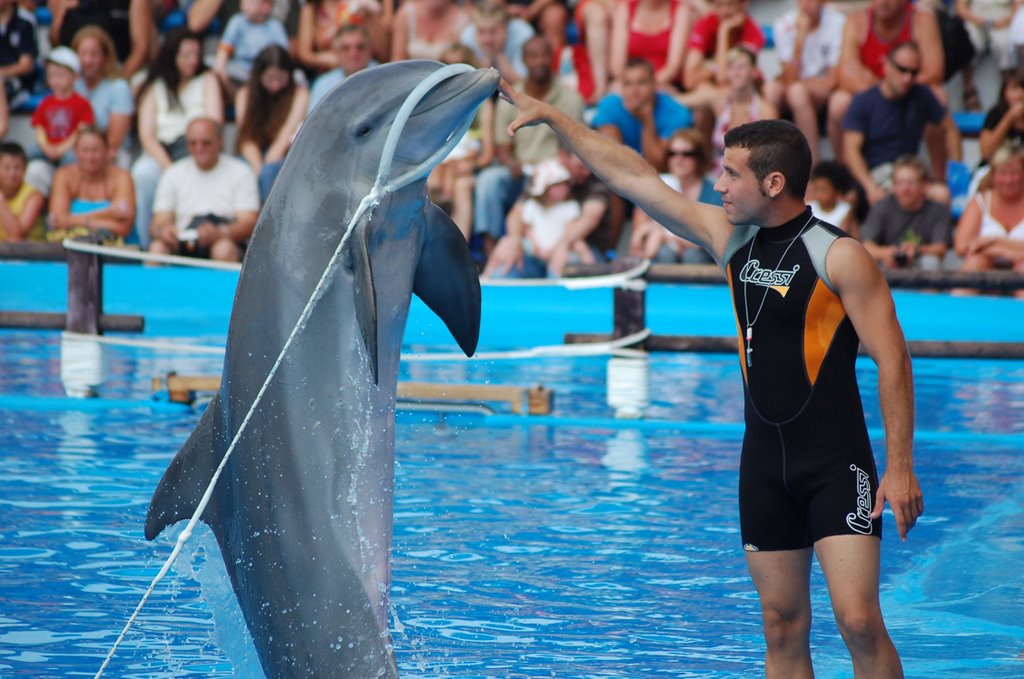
point(38, 252)
point(727, 345)
point(993, 281)
point(536, 400)
point(46, 320)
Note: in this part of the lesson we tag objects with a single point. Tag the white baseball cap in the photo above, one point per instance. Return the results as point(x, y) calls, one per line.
point(546, 174)
point(66, 57)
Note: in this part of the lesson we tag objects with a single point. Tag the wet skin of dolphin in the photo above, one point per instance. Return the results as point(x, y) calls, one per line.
point(303, 510)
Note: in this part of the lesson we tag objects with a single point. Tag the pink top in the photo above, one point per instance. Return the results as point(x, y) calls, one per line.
point(651, 46)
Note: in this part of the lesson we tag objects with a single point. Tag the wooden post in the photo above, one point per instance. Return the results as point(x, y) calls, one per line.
point(630, 312)
point(85, 293)
point(630, 305)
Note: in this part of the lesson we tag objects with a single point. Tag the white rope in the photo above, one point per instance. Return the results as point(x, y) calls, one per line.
point(570, 350)
point(380, 188)
point(631, 279)
point(144, 344)
point(616, 347)
point(140, 256)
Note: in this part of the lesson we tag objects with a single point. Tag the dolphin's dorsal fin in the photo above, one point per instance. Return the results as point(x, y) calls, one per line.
point(446, 279)
point(186, 479)
point(365, 297)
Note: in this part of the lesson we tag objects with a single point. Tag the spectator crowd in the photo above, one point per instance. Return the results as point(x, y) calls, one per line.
point(129, 102)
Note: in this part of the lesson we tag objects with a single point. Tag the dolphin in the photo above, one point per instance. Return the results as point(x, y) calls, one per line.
point(303, 510)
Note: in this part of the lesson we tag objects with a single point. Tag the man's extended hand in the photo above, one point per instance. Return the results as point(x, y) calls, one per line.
point(529, 111)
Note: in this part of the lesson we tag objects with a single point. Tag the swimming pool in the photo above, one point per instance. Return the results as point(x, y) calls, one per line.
point(574, 545)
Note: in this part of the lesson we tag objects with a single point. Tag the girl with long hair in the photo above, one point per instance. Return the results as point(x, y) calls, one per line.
point(269, 109)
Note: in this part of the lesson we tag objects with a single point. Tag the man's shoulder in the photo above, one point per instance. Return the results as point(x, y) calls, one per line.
point(935, 211)
point(21, 25)
point(236, 23)
point(181, 168)
point(870, 96)
point(107, 86)
point(610, 110)
point(233, 166)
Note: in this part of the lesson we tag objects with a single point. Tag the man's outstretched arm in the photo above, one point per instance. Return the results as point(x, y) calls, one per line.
point(625, 172)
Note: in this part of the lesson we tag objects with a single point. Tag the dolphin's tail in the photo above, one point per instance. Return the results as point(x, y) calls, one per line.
point(182, 487)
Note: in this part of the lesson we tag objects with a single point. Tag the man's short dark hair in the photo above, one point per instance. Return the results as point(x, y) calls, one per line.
point(10, 148)
point(640, 62)
point(775, 146)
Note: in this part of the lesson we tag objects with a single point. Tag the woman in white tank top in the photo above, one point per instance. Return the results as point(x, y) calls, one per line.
point(990, 234)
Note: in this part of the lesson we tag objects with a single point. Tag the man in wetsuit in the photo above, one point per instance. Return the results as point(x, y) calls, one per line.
point(805, 295)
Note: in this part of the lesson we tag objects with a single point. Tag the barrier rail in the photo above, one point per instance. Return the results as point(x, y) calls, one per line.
point(85, 294)
point(630, 309)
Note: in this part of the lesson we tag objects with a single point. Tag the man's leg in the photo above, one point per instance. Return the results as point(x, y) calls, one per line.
point(782, 580)
point(851, 566)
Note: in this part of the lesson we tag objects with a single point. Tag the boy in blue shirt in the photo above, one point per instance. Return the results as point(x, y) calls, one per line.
point(246, 34)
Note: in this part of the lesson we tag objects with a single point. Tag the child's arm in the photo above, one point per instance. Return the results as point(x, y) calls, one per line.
point(17, 227)
point(220, 64)
point(43, 142)
point(62, 147)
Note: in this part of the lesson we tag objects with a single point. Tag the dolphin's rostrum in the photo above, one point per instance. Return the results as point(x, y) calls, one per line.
point(303, 510)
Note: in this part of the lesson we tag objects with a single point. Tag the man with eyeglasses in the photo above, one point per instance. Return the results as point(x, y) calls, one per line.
point(888, 120)
point(206, 205)
point(869, 37)
point(355, 53)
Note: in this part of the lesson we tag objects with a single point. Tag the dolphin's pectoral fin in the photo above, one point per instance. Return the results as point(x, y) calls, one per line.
point(186, 479)
point(447, 281)
point(366, 297)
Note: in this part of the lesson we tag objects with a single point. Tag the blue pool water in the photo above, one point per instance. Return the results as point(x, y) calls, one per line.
point(565, 546)
point(570, 545)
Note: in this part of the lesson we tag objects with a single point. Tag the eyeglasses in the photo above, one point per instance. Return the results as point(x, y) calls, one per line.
point(903, 69)
point(684, 154)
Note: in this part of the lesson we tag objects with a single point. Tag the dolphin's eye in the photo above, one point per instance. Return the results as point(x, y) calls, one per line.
point(363, 131)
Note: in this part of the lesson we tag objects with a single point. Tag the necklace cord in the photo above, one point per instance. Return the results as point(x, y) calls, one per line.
point(749, 324)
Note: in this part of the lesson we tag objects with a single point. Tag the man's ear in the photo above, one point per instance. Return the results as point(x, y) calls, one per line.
point(774, 184)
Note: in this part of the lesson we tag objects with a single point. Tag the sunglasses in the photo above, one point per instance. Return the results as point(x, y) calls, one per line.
point(684, 154)
point(903, 69)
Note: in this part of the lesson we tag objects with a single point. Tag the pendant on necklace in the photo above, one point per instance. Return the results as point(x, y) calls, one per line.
point(750, 349)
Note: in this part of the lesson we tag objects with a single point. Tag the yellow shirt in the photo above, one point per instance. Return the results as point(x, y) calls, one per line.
point(17, 206)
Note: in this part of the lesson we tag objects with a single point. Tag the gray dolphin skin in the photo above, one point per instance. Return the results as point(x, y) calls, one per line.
point(303, 510)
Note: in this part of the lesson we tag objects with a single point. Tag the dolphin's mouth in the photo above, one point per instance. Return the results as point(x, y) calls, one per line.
point(456, 88)
point(444, 108)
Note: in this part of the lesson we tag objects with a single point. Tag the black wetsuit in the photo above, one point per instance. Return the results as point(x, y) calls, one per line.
point(807, 470)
